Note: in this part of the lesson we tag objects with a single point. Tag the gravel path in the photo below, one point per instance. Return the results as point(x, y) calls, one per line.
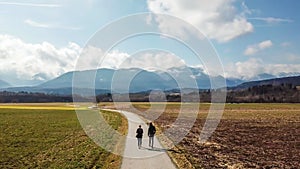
point(146, 157)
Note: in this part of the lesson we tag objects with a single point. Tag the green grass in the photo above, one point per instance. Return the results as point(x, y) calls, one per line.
point(52, 139)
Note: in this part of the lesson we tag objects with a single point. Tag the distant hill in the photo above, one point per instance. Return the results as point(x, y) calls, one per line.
point(105, 79)
point(278, 90)
point(294, 80)
point(137, 79)
point(142, 80)
point(4, 84)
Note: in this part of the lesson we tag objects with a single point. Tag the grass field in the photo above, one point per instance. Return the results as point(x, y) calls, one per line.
point(248, 136)
point(50, 136)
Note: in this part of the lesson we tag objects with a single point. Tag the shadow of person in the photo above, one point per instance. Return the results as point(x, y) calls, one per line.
point(159, 149)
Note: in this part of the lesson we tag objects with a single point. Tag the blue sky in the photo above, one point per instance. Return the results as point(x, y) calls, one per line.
point(40, 40)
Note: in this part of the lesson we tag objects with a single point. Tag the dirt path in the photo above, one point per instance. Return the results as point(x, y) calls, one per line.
point(144, 158)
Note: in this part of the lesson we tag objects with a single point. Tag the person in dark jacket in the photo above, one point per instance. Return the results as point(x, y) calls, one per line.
point(139, 136)
point(151, 132)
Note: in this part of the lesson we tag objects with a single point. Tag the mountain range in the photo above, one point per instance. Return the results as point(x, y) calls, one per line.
point(294, 81)
point(135, 80)
point(4, 84)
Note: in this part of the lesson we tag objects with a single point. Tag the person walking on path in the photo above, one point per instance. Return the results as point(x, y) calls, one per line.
point(139, 136)
point(151, 132)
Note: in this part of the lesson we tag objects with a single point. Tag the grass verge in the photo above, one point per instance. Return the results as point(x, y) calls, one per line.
point(33, 138)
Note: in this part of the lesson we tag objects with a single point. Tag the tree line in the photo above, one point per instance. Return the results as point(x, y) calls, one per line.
point(284, 93)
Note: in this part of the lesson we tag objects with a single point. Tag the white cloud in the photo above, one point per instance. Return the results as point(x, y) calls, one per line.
point(253, 67)
point(217, 19)
point(47, 25)
point(271, 20)
point(265, 44)
point(250, 68)
point(153, 61)
point(253, 49)
point(93, 58)
point(21, 61)
point(36, 24)
point(25, 61)
point(31, 4)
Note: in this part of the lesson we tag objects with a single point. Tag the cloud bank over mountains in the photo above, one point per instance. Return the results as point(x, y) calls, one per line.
point(21, 61)
point(24, 63)
point(37, 62)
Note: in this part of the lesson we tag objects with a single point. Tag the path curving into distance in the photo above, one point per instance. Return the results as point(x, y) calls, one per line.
point(144, 158)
